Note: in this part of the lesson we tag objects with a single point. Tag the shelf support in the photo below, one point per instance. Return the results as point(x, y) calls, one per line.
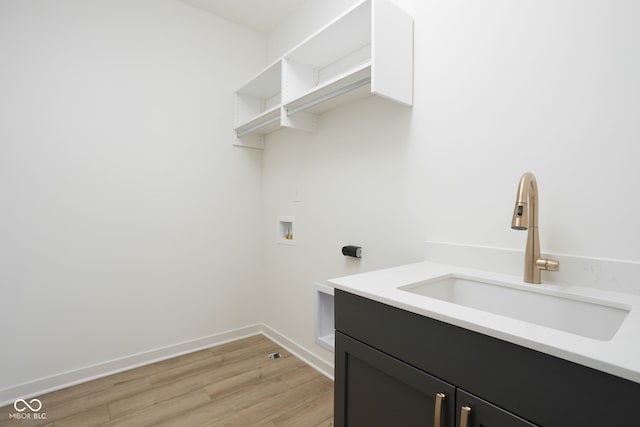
point(302, 121)
point(249, 141)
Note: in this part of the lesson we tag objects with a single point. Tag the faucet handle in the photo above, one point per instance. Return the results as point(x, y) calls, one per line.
point(547, 264)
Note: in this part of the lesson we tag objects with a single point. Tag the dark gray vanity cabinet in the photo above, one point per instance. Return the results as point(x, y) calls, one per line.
point(374, 389)
point(481, 413)
point(382, 391)
point(392, 364)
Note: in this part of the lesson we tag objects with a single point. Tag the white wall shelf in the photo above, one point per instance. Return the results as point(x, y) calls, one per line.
point(344, 88)
point(257, 106)
point(265, 122)
point(368, 50)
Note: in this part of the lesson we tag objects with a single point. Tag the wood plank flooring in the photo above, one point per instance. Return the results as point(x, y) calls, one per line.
point(233, 384)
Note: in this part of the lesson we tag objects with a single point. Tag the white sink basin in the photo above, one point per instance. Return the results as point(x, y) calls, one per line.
point(593, 318)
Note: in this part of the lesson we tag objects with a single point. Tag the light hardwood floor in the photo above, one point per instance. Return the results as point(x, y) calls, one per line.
point(233, 384)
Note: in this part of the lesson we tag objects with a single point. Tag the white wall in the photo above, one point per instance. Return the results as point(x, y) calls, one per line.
point(501, 87)
point(128, 222)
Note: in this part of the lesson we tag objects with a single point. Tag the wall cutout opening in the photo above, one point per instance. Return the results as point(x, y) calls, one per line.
point(325, 330)
point(286, 230)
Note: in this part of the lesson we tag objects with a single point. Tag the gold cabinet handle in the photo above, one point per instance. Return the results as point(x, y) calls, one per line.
point(464, 416)
point(437, 416)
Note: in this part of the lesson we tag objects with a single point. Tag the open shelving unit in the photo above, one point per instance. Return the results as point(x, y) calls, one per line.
point(257, 106)
point(368, 50)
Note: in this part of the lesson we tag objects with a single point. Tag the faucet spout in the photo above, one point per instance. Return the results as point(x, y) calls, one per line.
point(525, 217)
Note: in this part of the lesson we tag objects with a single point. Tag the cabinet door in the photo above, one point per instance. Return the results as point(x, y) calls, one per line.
point(373, 389)
point(480, 413)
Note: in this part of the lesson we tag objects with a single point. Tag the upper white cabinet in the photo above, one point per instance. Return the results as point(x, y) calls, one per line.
point(366, 51)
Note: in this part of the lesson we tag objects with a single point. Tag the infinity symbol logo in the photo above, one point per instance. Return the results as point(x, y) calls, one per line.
point(25, 405)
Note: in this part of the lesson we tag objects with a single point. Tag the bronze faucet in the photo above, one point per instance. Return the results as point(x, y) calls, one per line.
point(525, 216)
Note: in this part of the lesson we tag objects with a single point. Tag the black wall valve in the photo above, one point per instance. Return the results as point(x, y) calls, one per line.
point(354, 251)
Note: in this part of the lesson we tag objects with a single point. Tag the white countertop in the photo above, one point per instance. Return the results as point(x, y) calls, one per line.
point(620, 356)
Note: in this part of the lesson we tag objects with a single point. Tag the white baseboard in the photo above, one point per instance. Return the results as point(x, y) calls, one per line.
point(89, 373)
point(300, 352)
